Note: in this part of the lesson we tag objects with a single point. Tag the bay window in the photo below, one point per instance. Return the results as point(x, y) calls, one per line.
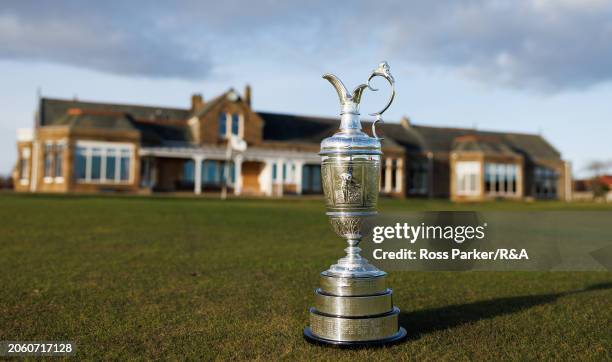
point(96, 163)
point(59, 160)
point(103, 162)
point(467, 176)
point(48, 159)
point(501, 179)
point(53, 153)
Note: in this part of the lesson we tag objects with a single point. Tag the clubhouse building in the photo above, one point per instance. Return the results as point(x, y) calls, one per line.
point(219, 143)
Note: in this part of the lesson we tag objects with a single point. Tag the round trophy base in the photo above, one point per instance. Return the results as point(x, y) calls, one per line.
point(396, 338)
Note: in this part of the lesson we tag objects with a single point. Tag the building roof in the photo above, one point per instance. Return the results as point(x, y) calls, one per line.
point(156, 124)
point(442, 139)
point(163, 125)
point(76, 118)
point(414, 138)
point(292, 128)
point(52, 109)
point(487, 145)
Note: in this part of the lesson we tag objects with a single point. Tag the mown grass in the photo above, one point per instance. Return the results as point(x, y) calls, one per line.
point(179, 278)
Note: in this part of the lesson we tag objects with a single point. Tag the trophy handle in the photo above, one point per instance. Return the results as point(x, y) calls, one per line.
point(384, 71)
point(378, 120)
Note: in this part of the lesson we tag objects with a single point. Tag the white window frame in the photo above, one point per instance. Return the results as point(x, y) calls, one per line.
point(25, 153)
point(228, 125)
point(104, 147)
point(502, 171)
point(59, 179)
point(291, 172)
point(48, 179)
point(467, 169)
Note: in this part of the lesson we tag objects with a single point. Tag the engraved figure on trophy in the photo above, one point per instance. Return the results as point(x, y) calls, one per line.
point(349, 191)
point(353, 306)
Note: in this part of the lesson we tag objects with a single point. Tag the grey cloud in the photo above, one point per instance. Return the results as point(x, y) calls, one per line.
point(105, 38)
point(540, 44)
point(547, 45)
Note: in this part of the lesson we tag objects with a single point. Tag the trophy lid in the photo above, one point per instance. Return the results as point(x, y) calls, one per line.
point(350, 139)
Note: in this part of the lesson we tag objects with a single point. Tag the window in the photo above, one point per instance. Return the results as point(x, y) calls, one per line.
point(390, 175)
point(124, 174)
point(229, 124)
point(311, 179)
point(235, 124)
point(289, 173)
point(285, 173)
point(48, 157)
point(188, 174)
point(23, 169)
point(223, 124)
point(96, 164)
point(489, 178)
point(467, 176)
point(316, 178)
point(501, 178)
point(58, 161)
point(24, 160)
point(545, 182)
point(111, 163)
point(418, 177)
point(214, 171)
point(210, 172)
point(80, 163)
point(103, 162)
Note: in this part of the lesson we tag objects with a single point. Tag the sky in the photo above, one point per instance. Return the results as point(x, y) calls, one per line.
point(534, 66)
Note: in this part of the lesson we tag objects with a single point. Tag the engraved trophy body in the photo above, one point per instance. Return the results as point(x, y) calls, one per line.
point(353, 306)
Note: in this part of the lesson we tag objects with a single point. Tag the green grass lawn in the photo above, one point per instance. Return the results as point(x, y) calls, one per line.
point(139, 277)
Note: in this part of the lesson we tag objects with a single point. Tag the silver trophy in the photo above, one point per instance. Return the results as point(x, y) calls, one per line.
point(353, 306)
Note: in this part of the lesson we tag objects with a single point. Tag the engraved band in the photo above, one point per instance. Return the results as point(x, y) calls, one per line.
point(343, 286)
point(355, 306)
point(354, 329)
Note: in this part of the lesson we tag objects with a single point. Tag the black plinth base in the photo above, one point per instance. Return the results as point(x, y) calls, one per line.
point(396, 338)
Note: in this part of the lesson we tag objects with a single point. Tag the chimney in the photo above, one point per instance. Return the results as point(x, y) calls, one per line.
point(405, 122)
point(247, 95)
point(197, 102)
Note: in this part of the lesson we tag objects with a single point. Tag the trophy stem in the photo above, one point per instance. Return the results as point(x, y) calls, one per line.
point(353, 251)
point(353, 264)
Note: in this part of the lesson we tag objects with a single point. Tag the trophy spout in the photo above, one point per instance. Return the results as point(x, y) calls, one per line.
point(349, 102)
point(343, 94)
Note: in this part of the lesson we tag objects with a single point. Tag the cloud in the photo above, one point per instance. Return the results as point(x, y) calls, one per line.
point(542, 44)
point(546, 45)
point(111, 39)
